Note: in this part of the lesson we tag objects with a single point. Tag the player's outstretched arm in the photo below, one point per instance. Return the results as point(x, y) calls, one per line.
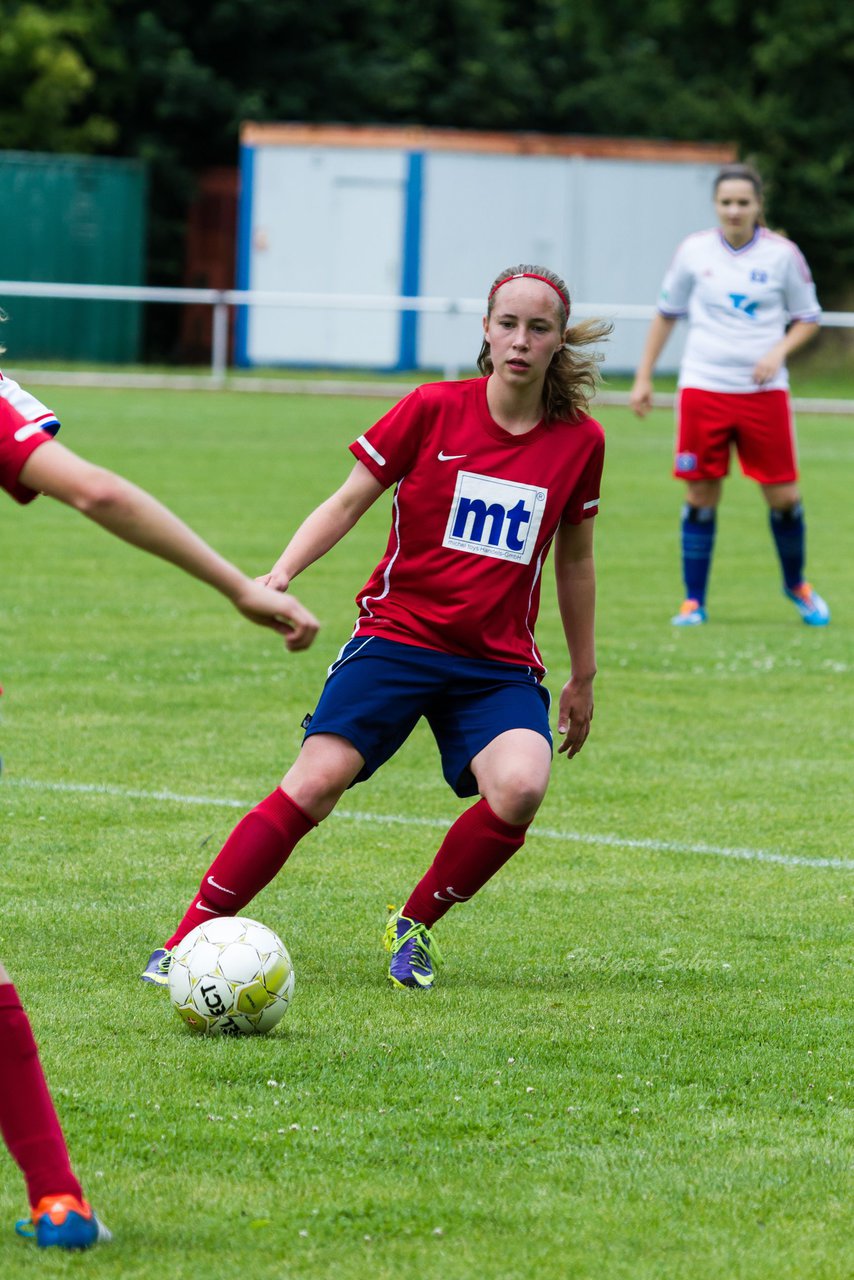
point(134, 515)
point(640, 396)
point(326, 526)
point(575, 576)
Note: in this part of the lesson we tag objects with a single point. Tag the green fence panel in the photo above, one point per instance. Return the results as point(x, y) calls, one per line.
point(74, 219)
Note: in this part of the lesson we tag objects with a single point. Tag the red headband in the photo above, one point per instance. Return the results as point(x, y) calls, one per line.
point(532, 275)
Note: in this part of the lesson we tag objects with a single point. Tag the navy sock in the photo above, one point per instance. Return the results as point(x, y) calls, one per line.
point(698, 542)
point(789, 530)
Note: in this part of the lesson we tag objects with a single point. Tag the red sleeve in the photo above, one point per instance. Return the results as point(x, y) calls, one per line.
point(584, 502)
point(18, 439)
point(389, 448)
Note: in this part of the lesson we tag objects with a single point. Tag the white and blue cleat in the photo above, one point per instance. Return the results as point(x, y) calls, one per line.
point(809, 605)
point(691, 614)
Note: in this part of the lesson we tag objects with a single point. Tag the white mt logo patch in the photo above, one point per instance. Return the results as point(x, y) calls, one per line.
point(496, 518)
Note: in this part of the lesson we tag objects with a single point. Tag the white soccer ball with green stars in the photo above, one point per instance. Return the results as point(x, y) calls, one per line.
point(231, 976)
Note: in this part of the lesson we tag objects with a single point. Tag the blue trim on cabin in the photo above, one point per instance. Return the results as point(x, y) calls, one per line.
point(410, 283)
point(244, 253)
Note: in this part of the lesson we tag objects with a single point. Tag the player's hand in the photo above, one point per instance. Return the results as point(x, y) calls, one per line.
point(767, 367)
point(283, 613)
point(277, 579)
point(640, 397)
point(575, 711)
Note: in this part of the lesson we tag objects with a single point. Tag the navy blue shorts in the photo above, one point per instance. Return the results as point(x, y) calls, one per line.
point(377, 691)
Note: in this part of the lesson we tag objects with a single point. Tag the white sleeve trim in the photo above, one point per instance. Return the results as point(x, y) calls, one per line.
point(371, 451)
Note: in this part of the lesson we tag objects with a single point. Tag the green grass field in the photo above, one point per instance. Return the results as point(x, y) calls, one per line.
point(634, 1065)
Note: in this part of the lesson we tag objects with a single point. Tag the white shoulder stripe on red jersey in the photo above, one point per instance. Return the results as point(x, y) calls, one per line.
point(371, 451)
point(29, 429)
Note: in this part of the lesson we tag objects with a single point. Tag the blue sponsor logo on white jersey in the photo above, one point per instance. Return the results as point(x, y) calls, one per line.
point(742, 303)
point(497, 518)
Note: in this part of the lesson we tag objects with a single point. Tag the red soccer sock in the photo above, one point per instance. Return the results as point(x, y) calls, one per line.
point(477, 845)
point(28, 1118)
point(258, 848)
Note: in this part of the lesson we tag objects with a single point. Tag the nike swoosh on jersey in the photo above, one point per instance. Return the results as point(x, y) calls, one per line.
point(221, 887)
point(450, 457)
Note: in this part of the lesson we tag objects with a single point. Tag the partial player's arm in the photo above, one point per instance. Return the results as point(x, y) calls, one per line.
point(640, 397)
point(799, 333)
point(326, 526)
point(575, 575)
point(134, 515)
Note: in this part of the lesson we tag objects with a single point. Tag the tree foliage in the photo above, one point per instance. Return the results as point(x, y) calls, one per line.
point(47, 79)
point(170, 82)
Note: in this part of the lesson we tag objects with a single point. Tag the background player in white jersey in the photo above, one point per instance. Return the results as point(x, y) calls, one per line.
point(32, 462)
point(487, 473)
point(750, 302)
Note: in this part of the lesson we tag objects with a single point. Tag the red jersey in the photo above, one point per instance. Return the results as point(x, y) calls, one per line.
point(25, 424)
point(474, 514)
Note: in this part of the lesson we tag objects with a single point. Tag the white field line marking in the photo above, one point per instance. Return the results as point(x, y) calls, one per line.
point(543, 833)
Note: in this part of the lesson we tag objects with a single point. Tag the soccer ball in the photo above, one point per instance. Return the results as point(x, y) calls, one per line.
point(231, 976)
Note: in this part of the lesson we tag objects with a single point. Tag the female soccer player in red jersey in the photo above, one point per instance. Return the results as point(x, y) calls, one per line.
point(32, 462)
point(750, 302)
point(486, 473)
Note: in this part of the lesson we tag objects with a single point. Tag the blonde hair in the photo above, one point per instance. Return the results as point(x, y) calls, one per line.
point(573, 375)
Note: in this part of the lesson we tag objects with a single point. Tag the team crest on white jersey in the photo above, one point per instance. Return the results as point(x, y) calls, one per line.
point(497, 518)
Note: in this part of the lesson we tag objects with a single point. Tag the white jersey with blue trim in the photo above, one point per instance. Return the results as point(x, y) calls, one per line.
point(738, 303)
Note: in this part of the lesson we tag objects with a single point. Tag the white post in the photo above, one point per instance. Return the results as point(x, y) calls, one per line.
point(219, 344)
